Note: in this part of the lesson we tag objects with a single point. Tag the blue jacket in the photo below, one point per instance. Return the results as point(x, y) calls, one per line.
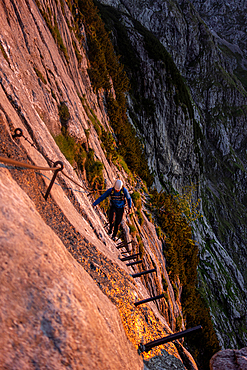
point(115, 202)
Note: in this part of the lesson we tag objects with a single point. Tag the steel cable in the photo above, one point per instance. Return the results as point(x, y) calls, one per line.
point(33, 167)
point(68, 177)
point(26, 165)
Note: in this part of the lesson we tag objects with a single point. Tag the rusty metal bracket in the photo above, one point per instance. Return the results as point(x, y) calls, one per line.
point(17, 133)
point(54, 177)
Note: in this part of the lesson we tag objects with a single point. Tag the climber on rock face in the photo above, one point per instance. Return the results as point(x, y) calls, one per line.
point(118, 195)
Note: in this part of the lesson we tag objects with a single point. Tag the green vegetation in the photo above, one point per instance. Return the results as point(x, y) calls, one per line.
point(94, 170)
point(68, 147)
point(82, 160)
point(112, 21)
point(123, 165)
point(107, 139)
point(179, 322)
point(4, 53)
point(105, 71)
point(64, 115)
point(148, 215)
point(141, 249)
point(58, 38)
point(159, 232)
point(239, 72)
point(96, 123)
point(136, 197)
point(132, 229)
point(164, 283)
point(39, 74)
point(98, 44)
point(109, 145)
point(180, 250)
point(62, 6)
point(241, 75)
point(129, 146)
point(140, 217)
point(174, 216)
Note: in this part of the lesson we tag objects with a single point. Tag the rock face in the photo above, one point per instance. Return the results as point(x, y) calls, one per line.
point(164, 362)
point(68, 299)
point(52, 313)
point(204, 145)
point(228, 20)
point(229, 360)
point(193, 129)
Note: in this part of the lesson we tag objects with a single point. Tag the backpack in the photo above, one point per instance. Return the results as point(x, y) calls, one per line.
point(117, 197)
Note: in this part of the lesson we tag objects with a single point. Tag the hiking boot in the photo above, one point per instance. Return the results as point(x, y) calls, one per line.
point(114, 238)
point(109, 232)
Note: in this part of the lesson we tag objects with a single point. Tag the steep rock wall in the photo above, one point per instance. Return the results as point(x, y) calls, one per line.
point(53, 314)
point(228, 20)
point(36, 76)
point(217, 135)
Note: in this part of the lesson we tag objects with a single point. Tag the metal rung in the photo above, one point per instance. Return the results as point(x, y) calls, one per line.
point(148, 346)
point(143, 273)
point(149, 299)
point(54, 177)
point(134, 263)
point(123, 244)
point(130, 257)
point(120, 246)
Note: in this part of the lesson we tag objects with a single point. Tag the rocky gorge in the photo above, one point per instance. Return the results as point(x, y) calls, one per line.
point(211, 128)
point(67, 299)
